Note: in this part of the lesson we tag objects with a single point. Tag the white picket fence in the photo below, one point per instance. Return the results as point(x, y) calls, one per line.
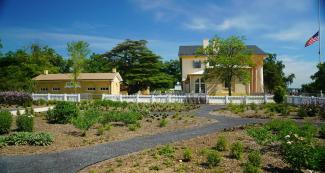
point(57, 97)
point(300, 100)
point(191, 99)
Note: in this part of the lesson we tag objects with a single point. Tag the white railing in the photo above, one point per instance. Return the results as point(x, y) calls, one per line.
point(57, 97)
point(300, 100)
point(190, 99)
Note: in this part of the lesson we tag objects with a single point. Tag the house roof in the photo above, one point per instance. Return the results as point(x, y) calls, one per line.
point(82, 76)
point(191, 50)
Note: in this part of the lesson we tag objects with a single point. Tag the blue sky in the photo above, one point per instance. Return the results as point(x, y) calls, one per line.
point(276, 26)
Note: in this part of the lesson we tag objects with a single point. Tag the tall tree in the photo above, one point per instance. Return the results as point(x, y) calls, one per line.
point(139, 66)
point(173, 68)
point(228, 60)
point(78, 52)
point(318, 83)
point(274, 75)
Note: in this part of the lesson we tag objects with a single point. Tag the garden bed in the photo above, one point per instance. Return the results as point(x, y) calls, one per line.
point(171, 158)
point(66, 136)
point(272, 111)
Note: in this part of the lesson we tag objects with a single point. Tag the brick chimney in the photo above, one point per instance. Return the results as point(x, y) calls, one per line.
point(46, 72)
point(114, 70)
point(205, 43)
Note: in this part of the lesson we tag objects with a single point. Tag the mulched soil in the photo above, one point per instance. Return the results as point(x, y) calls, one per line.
point(146, 161)
point(66, 136)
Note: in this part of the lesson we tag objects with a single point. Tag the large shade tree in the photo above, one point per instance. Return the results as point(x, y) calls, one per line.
point(173, 68)
point(318, 83)
point(140, 67)
point(228, 60)
point(274, 75)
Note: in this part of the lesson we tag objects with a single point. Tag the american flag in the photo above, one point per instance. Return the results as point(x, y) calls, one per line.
point(313, 39)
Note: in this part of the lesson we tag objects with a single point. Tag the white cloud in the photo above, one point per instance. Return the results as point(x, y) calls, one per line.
point(302, 69)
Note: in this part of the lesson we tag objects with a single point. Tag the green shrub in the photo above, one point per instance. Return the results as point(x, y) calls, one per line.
point(261, 135)
point(279, 94)
point(163, 123)
point(302, 112)
point(87, 119)
point(213, 158)
point(167, 151)
point(24, 138)
point(132, 127)
point(222, 144)
point(236, 108)
point(187, 155)
point(236, 150)
point(5, 121)
point(249, 168)
point(25, 123)
point(322, 131)
point(62, 113)
point(254, 158)
point(130, 117)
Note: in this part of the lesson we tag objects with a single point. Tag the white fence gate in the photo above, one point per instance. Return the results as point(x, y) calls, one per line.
point(189, 99)
point(57, 97)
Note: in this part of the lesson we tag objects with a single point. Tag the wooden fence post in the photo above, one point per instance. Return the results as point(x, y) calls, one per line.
point(48, 96)
point(78, 97)
point(152, 99)
point(265, 98)
point(137, 98)
point(226, 100)
point(65, 97)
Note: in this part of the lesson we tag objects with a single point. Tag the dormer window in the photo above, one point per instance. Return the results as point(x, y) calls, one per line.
point(196, 64)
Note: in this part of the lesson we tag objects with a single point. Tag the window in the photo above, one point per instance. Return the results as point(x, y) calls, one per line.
point(43, 89)
point(196, 64)
point(104, 89)
point(91, 89)
point(55, 89)
point(199, 86)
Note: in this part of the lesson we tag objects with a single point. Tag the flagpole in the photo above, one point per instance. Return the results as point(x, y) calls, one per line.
point(319, 34)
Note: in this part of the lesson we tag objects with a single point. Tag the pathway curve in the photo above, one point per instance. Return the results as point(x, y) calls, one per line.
point(71, 161)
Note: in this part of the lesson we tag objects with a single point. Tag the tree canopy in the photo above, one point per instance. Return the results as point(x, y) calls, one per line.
point(274, 75)
point(228, 60)
point(318, 83)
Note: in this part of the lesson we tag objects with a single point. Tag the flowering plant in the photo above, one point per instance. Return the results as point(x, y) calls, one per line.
point(15, 98)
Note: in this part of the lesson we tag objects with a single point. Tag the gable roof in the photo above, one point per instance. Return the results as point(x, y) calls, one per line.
point(191, 50)
point(82, 76)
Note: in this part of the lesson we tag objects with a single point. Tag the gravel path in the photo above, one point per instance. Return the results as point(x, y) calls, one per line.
point(71, 161)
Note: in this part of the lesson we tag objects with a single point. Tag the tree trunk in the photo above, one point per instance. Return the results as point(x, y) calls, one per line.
point(229, 89)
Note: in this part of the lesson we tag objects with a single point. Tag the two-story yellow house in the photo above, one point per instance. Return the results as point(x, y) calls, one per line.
point(193, 67)
point(90, 83)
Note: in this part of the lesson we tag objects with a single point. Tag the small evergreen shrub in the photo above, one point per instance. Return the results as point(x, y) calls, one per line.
point(254, 158)
point(25, 123)
point(249, 168)
point(132, 127)
point(213, 158)
point(236, 150)
point(167, 151)
point(279, 94)
point(222, 144)
point(5, 121)
point(187, 155)
point(62, 113)
point(163, 123)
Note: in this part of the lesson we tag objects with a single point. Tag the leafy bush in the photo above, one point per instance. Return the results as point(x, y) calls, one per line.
point(15, 98)
point(87, 119)
point(25, 123)
point(249, 168)
point(62, 113)
point(222, 144)
point(125, 117)
point(236, 150)
point(213, 158)
point(254, 158)
point(279, 94)
point(187, 155)
point(132, 127)
point(5, 121)
point(24, 138)
point(261, 135)
point(163, 123)
point(322, 131)
point(236, 108)
point(309, 110)
point(167, 151)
